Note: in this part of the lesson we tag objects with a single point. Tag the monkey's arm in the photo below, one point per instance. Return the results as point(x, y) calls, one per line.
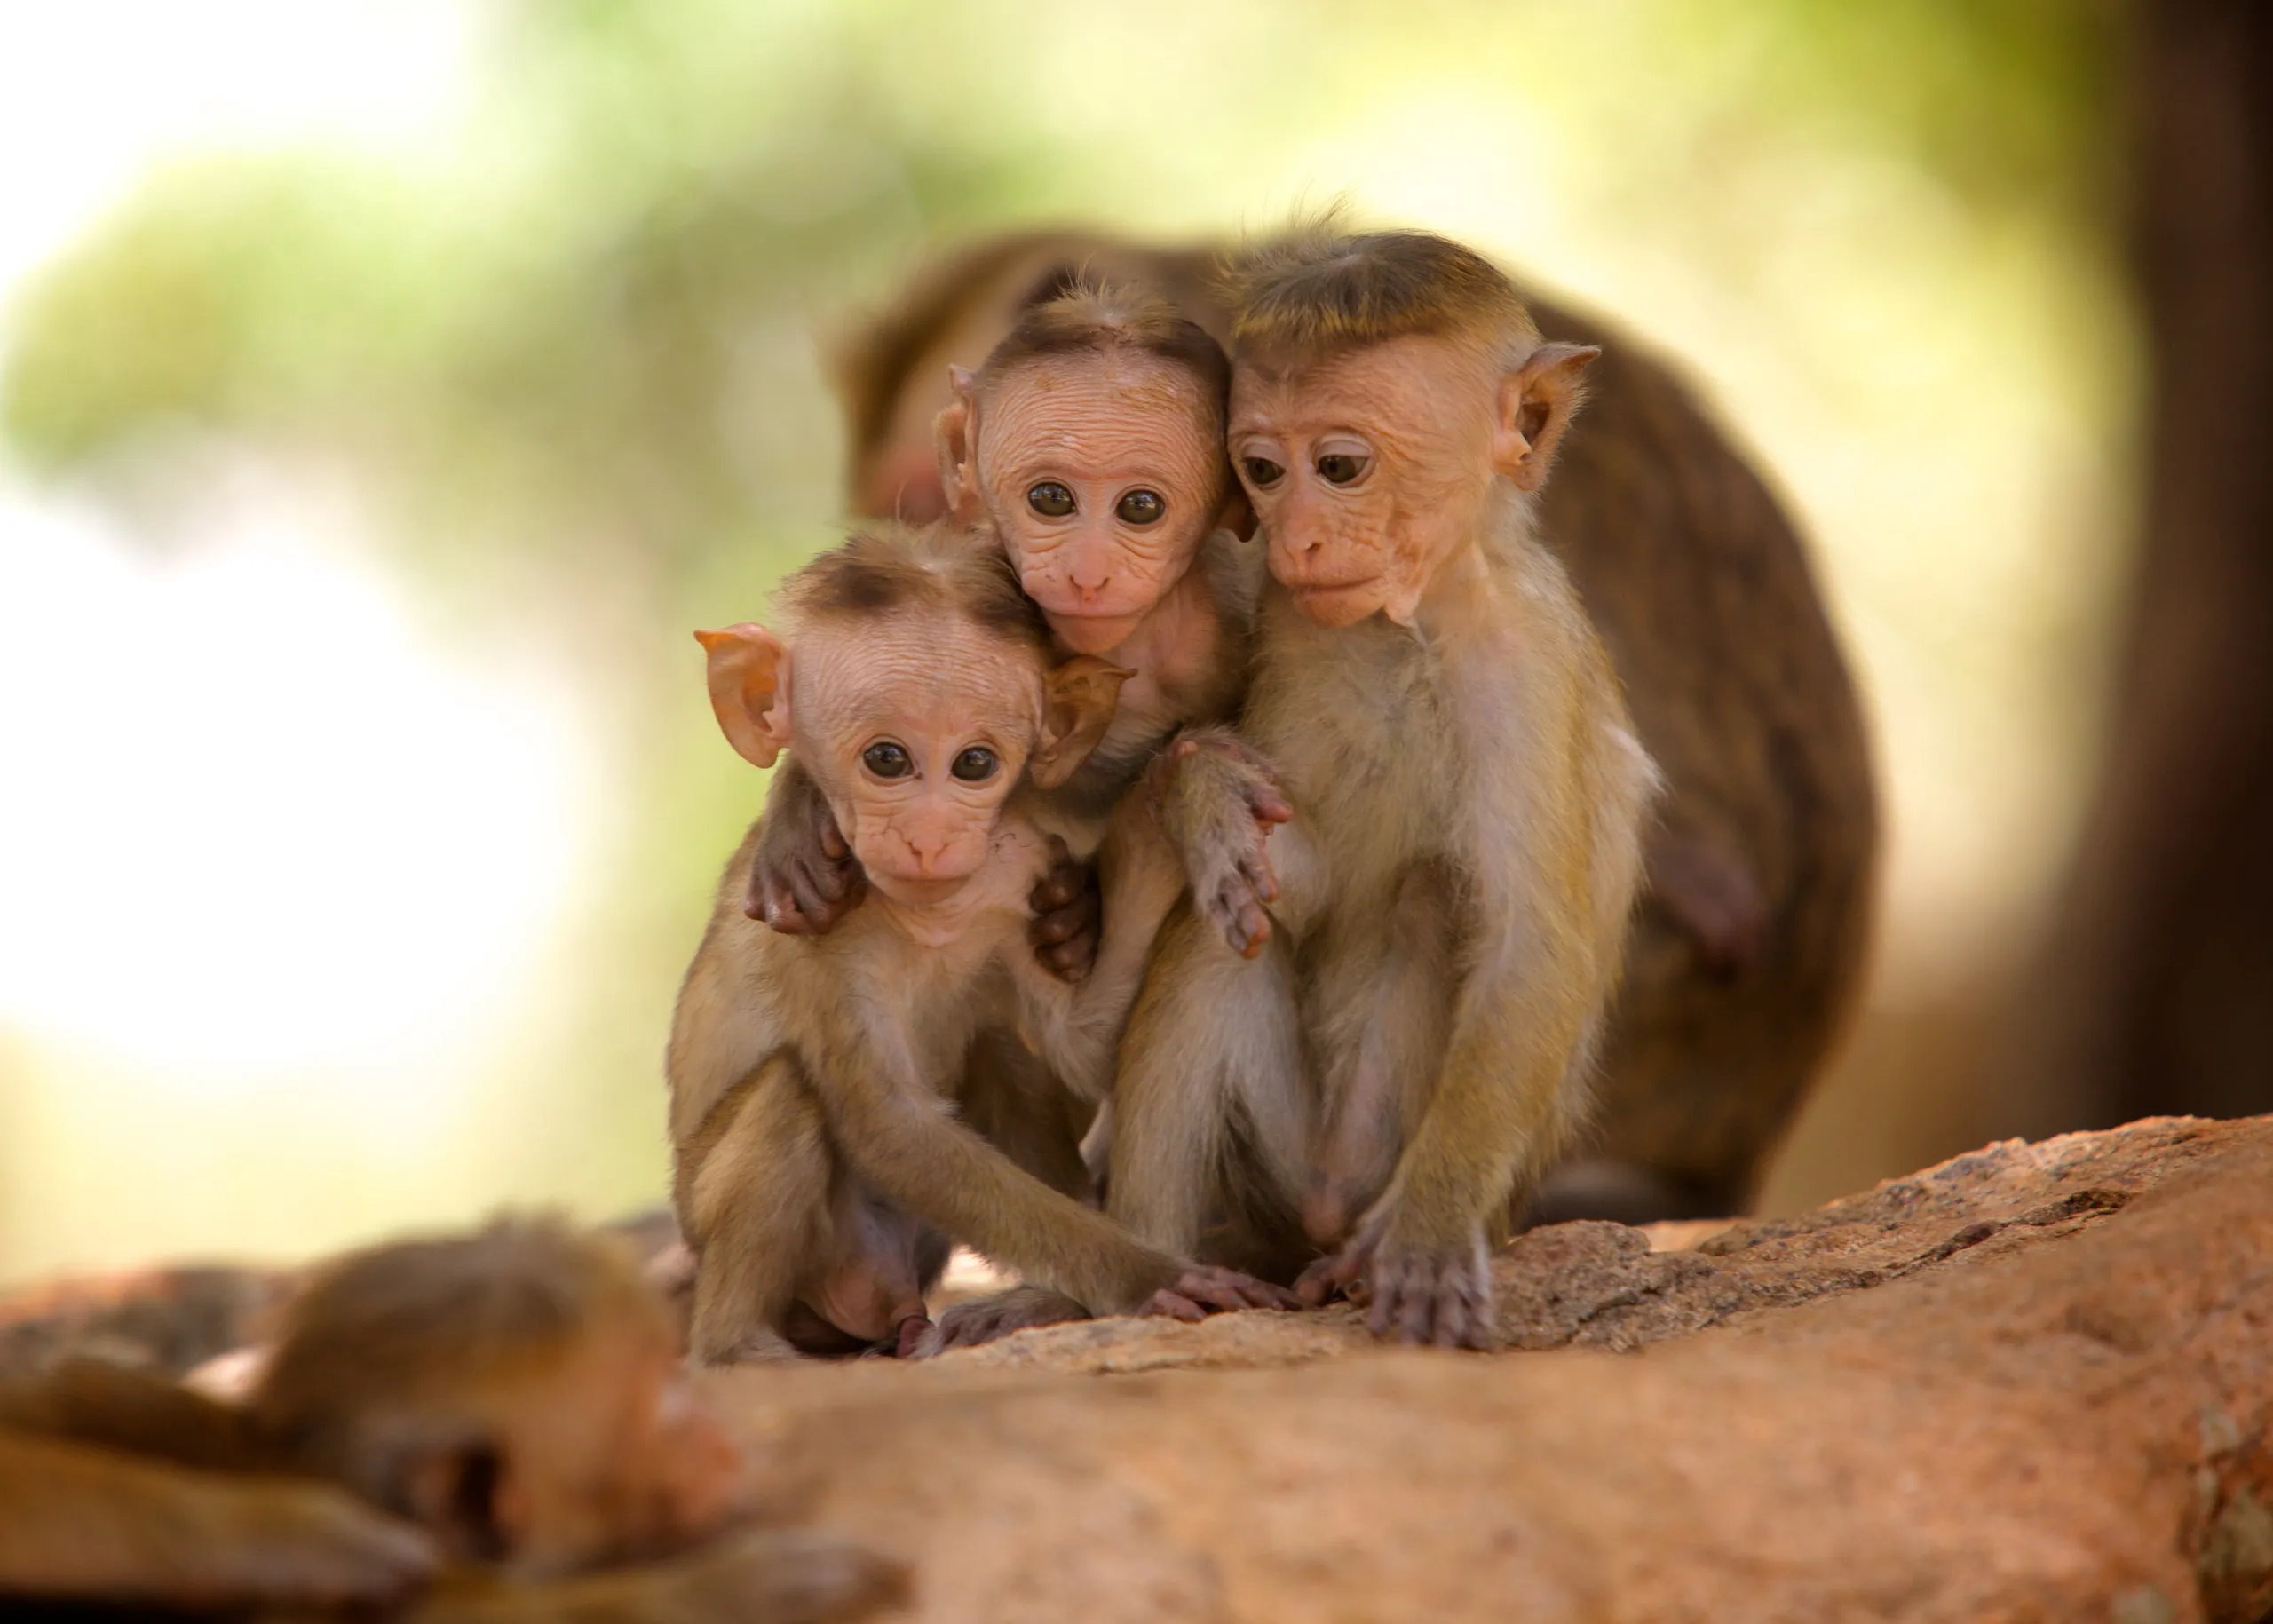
point(1141, 876)
point(1217, 803)
point(900, 1135)
point(802, 875)
point(80, 1521)
point(770, 1577)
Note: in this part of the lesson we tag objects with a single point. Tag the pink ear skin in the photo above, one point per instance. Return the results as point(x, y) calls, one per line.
point(1536, 401)
point(750, 689)
point(955, 434)
point(1077, 700)
point(1237, 514)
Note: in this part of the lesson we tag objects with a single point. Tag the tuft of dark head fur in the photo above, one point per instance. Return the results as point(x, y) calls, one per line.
point(393, 1323)
point(942, 568)
point(1071, 313)
point(1317, 289)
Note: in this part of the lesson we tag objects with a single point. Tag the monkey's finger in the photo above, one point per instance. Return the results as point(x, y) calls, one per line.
point(1174, 1305)
point(1269, 806)
point(779, 909)
point(912, 1332)
point(829, 880)
point(833, 843)
point(818, 908)
point(1254, 929)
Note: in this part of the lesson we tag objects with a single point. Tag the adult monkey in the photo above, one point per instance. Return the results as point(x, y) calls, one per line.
point(1748, 953)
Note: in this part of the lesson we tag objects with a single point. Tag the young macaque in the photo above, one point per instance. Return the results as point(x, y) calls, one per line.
point(1092, 440)
point(460, 1429)
point(1748, 953)
point(815, 1081)
point(1385, 1012)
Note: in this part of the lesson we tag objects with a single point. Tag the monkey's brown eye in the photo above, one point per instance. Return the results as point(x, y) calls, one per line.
point(887, 761)
point(1141, 507)
point(976, 765)
point(1050, 499)
point(1262, 471)
point(1339, 468)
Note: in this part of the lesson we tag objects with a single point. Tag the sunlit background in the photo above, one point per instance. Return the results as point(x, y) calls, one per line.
point(388, 386)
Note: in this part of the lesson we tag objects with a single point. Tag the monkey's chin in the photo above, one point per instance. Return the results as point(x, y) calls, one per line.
point(1093, 634)
point(1336, 607)
point(918, 890)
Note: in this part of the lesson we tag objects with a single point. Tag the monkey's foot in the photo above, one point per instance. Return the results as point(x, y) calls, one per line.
point(1440, 1296)
point(1207, 1289)
point(985, 1319)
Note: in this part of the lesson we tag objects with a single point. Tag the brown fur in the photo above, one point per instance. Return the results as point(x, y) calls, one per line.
point(1317, 290)
point(933, 570)
point(1094, 317)
point(1428, 950)
point(453, 1363)
point(812, 1078)
point(1749, 951)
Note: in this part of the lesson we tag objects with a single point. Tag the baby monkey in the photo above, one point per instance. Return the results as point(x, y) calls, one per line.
point(824, 1088)
point(463, 1429)
point(1092, 440)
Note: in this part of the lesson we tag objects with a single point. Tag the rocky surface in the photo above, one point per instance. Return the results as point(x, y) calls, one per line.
point(2035, 1382)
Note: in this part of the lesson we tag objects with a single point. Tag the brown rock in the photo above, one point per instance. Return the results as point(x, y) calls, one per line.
point(2035, 1382)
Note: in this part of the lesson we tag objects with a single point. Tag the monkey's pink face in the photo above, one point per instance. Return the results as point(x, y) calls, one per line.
point(917, 728)
point(1104, 476)
point(1367, 469)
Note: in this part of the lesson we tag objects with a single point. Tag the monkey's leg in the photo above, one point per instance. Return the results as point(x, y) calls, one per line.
point(1377, 1006)
point(755, 1208)
point(82, 1522)
point(768, 1577)
point(1018, 1104)
point(1213, 1045)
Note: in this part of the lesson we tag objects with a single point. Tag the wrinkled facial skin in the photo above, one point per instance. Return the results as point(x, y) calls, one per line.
point(885, 711)
point(1367, 469)
point(1104, 476)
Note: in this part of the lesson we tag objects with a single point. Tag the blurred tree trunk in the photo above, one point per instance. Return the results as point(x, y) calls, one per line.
point(2164, 972)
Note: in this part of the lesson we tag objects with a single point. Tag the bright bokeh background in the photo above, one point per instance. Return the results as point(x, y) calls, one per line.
point(385, 388)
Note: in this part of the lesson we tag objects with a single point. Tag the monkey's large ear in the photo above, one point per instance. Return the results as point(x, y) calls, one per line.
point(463, 1489)
point(750, 689)
point(1237, 514)
point(1077, 701)
point(955, 434)
point(1536, 401)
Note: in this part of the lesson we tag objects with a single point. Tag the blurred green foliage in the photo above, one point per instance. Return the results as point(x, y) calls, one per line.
point(570, 360)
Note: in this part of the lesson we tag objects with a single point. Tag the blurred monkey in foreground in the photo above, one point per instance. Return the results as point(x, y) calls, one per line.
point(483, 1427)
point(1747, 956)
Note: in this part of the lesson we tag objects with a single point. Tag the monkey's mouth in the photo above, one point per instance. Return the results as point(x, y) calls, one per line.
point(1338, 603)
point(1092, 631)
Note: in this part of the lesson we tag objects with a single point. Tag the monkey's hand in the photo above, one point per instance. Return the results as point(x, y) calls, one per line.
point(803, 877)
point(985, 1319)
point(1205, 1289)
point(1217, 801)
point(1068, 914)
point(1415, 1292)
